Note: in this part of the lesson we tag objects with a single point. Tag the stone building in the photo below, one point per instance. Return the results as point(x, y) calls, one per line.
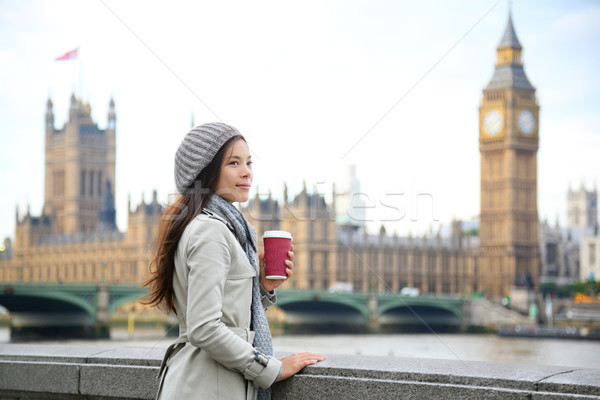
point(328, 253)
point(508, 143)
point(559, 254)
point(75, 239)
point(582, 222)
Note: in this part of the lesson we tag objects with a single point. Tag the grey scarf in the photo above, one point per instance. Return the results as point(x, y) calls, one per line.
point(246, 236)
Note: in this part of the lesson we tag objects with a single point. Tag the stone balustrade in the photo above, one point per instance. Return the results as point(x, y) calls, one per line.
point(62, 371)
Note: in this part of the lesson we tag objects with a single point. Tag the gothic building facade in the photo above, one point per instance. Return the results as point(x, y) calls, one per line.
point(328, 254)
point(75, 239)
point(582, 224)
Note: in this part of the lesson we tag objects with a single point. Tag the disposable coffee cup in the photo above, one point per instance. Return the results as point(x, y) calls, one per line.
point(277, 245)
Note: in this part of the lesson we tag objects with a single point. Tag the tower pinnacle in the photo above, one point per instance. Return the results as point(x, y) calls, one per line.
point(509, 39)
point(509, 73)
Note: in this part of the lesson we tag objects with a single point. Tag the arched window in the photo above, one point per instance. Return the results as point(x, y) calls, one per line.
point(82, 183)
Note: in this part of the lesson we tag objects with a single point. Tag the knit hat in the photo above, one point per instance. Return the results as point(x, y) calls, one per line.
point(197, 150)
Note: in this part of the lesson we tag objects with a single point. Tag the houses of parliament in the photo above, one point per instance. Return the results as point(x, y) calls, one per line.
point(75, 239)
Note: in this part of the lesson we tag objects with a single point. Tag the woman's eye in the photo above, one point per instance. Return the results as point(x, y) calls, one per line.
point(233, 163)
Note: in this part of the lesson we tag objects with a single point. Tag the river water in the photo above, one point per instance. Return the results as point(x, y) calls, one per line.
point(476, 347)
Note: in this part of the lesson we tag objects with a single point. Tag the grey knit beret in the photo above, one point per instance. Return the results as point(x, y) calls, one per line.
point(197, 150)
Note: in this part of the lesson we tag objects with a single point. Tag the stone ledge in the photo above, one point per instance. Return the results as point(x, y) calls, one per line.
point(95, 372)
point(123, 382)
point(29, 376)
point(327, 387)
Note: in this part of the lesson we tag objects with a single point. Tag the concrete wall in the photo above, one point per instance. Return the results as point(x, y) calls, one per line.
point(95, 372)
point(482, 312)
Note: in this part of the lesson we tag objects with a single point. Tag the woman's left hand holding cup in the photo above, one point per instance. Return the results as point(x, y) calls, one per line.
point(271, 284)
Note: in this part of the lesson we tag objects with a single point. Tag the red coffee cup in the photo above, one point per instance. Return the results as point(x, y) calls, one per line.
point(277, 244)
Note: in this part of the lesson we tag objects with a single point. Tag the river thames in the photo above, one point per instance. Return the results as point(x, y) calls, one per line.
point(474, 347)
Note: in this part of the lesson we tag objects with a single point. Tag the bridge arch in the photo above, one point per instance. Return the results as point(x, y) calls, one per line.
point(289, 297)
point(416, 305)
point(16, 303)
point(420, 315)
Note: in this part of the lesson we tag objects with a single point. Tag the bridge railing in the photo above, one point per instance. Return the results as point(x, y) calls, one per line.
point(104, 372)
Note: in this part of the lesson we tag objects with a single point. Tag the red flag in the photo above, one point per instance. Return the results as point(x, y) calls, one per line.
point(69, 55)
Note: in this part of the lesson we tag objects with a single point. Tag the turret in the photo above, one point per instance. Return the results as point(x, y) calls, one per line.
point(143, 221)
point(333, 196)
point(112, 116)
point(49, 116)
point(509, 49)
point(304, 194)
point(456, 234)
point(73, 108)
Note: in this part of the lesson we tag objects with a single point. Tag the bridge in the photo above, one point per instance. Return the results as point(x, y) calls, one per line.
point(63, 310)
point(320, 307)
point(83, 310)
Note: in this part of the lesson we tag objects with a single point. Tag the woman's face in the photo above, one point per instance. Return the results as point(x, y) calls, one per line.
point(235, 177)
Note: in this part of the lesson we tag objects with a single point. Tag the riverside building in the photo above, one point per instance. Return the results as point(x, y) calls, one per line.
point(75, 239)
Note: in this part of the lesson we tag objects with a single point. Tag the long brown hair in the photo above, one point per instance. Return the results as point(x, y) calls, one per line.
point(173, 222)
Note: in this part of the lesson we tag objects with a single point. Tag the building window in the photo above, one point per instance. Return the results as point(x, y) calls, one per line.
point(325, 277)
point(82, 184)
point(58, 184)
point(592, 248)
point(445, 287)
point(311, 270)
point(100, 183)
point(91, 183)
point(357, 273)
point(551, 253)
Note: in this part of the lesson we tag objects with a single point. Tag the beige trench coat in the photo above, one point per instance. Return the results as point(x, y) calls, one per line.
point(213, 358)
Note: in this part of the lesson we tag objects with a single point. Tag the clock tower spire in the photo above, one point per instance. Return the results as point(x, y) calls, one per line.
point(508, 143)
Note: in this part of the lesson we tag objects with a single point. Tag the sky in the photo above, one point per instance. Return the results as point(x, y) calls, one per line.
point(392, 87)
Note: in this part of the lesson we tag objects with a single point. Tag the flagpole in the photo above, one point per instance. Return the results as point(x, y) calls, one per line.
point(80, 73)
point(69, 55)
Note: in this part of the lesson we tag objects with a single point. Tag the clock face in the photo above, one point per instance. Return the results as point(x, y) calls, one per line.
point(526, 122)
point(492, 122)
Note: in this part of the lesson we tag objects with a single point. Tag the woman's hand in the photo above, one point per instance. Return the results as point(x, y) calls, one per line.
point(271, 284)
point(292, 364)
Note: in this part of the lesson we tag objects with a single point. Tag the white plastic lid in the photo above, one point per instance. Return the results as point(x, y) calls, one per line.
point(277, 234)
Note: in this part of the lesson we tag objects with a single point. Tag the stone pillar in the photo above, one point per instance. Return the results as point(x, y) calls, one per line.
point(373, 324)
point(101, 327)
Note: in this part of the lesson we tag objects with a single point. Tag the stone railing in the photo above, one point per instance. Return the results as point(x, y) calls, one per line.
point(95, 372)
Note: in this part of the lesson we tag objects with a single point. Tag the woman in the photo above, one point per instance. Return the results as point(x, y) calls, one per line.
point(207, 272)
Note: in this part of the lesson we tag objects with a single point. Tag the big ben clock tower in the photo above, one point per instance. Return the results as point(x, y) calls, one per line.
point(508, 143)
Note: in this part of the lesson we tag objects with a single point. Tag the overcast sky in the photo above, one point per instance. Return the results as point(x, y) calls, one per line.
point(391, 86)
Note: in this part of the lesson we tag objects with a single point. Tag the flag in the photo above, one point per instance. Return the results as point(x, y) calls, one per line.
point(69, 55)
